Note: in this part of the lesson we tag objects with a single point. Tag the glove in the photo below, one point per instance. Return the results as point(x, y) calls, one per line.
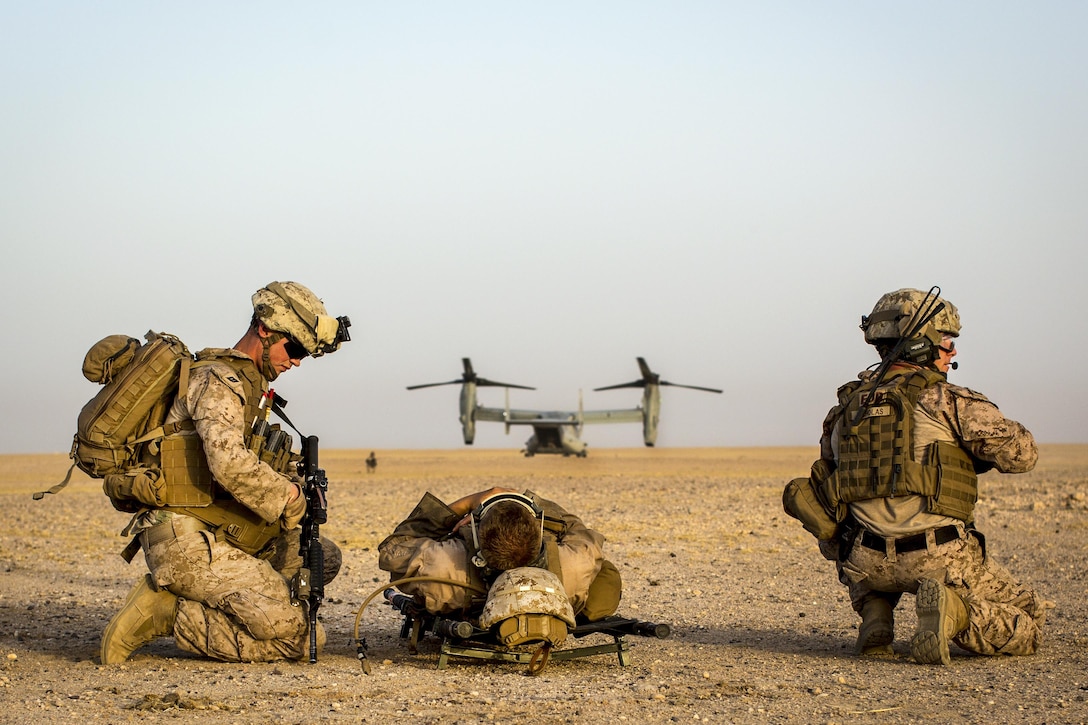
point(293, 511)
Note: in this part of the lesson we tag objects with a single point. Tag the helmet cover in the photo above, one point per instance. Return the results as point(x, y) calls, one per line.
point(895, 312)
point(529, 604)
point(292, 309)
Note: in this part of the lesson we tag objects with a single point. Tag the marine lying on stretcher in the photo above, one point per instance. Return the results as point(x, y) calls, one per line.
point(498, 569)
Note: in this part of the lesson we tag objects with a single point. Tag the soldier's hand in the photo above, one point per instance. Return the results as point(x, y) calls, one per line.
point(294, 510)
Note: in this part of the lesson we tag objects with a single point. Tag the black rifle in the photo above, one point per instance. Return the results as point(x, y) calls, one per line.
point(414, 611)
point(310, 581)
point(618, 626)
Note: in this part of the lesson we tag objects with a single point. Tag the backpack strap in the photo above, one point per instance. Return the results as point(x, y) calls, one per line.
point(39, 495)
point(162, 431)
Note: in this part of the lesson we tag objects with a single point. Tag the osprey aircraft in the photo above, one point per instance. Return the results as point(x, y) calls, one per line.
point(558, 431)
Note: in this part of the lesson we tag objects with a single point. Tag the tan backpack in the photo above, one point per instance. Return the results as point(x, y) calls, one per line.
point(118, 430)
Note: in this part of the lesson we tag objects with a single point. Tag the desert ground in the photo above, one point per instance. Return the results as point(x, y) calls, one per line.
point(762, 631)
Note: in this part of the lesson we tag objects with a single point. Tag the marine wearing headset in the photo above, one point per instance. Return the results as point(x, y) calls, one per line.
point(897, 483)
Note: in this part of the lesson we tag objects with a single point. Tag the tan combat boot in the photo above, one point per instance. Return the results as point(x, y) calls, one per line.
point(877, 629)
point(147, 613)
point(941, 616)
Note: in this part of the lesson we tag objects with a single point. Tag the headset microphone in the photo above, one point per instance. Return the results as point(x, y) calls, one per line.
point(954, 365)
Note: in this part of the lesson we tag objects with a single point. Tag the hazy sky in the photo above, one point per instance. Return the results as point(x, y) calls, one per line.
point(551, 189)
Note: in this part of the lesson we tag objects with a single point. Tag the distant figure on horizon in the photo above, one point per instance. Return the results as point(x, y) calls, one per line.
point(371, 462)
point(892, 496)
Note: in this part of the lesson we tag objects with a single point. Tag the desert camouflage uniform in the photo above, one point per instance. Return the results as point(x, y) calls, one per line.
point(232, 606)
point(422, 545)
point(1005, 616)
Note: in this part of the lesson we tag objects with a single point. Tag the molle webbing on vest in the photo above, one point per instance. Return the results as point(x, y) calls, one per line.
point(192, 489)
point(874, 453)
point(185, 473)
point(876, 457)
point(957, 482)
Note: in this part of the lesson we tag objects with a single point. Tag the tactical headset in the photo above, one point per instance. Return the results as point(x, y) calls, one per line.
point(920, 351)
point(924, 351)
point(478, 515)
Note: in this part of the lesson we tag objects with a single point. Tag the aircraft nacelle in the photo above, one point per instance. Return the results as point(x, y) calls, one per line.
point(651, 412)
point(468, 412)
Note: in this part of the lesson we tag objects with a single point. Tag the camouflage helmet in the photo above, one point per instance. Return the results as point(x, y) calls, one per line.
point(894, 313)
point(528, 604)
point(292, 309)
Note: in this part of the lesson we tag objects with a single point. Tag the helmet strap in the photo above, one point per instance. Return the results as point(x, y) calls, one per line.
point(267, 370)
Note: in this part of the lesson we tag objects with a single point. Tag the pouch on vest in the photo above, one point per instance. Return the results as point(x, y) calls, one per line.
point(134, 489)
point(957, 483)
point(605, 592)
point(800, 501)
point(237, 524)
point(803, 500)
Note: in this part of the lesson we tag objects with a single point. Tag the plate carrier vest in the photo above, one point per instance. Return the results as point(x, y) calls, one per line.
point(876, 457)
point(189, 486)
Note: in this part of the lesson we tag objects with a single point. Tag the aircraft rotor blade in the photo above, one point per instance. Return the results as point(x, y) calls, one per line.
point(434, 385)
point(484, 383)
point(649, 377)
point(632, 384)
point(690, 387)
point(469, 376)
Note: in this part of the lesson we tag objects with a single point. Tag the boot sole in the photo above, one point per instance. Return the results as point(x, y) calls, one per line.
point(929, 645)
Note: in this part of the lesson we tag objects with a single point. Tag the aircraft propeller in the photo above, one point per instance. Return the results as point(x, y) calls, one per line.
point(649, 377)
point(469, 376)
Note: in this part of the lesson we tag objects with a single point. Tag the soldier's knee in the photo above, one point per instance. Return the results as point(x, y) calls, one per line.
point(333, 559)
point(264, 617)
